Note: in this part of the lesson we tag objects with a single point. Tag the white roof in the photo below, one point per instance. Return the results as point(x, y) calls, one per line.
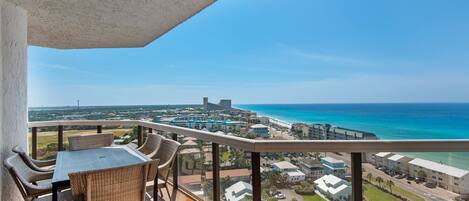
point(259, 126)
point(397, 157)
point(332, 160)
point(285, 165)
point(233, 190)
point(295, 173)
point(446, 169)
point(383, 154)
point(331, 184)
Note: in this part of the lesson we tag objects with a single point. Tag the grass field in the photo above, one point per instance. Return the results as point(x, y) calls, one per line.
point(312, 198)
point(50, 137)
point(374, 194)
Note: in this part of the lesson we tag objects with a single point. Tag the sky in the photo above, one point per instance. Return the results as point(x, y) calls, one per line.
point(264, 51)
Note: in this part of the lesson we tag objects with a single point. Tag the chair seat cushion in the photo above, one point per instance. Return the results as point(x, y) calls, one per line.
point(45, 183)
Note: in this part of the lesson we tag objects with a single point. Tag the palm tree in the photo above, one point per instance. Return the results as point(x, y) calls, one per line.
point(379, 180)
point(390, 185)
point(369, 176)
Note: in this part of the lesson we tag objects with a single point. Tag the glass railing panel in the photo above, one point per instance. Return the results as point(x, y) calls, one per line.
point(122, 134)
point(194, 166)
point(47, 142)
point(305, 176)
point(235, 173)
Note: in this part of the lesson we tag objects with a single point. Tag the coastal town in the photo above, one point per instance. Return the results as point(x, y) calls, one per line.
point(285, 176)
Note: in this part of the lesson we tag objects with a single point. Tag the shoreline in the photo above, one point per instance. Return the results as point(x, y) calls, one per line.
point(438, 157)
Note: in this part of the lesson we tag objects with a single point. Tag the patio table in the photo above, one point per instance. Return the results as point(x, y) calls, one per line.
point(91, 159)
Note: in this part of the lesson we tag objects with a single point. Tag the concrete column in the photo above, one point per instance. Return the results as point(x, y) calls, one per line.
point(13, 85)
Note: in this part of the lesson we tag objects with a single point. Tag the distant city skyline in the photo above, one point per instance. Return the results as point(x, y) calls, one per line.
point(274, 52)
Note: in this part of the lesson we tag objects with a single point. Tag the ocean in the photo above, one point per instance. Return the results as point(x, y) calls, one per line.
point(387, 121)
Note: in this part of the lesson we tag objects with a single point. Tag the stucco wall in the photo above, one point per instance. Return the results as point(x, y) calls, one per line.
point(13, 99)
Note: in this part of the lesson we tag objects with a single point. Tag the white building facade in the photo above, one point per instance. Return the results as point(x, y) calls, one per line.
point(292, 172)
point(446, 177)
point(333, 187)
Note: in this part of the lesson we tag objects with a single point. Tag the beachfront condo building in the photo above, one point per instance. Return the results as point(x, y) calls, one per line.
point(398, 164)
point(329, 132)
point(445, 176)
point(380, 159)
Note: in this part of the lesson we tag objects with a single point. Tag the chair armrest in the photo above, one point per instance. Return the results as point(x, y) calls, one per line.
point(43, 163)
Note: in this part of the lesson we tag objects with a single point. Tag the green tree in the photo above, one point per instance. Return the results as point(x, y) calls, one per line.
point(390, 185)
point(379, 180)
point(369, 176)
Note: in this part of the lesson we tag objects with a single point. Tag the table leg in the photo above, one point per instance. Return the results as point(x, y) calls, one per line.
point(54, 192)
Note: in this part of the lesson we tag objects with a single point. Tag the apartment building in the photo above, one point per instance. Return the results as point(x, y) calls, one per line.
point(380, 159)
point(445, 176)
point(329, 132)
point(260, 130)
point(238, 191)
point(398, 164)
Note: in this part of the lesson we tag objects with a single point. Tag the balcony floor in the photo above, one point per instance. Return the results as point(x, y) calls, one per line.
point(176, 195)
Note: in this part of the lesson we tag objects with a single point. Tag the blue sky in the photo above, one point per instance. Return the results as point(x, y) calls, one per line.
point(264, 51)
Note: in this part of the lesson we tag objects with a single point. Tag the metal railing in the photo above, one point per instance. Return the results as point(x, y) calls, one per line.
point(256, 147)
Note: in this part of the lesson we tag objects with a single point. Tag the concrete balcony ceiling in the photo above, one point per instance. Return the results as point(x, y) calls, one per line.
point(104, 23)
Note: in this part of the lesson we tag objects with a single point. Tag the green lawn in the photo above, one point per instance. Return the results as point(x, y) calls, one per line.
point(400, 191)
point(372, 193)
point(312, 198)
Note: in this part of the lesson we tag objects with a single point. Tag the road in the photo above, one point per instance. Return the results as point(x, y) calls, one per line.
point(431, 194)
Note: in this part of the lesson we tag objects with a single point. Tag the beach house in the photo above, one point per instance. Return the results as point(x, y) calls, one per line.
point(292, 172)
point(333, 166)
point(260, 130)
point(333, 187)
point(238, 191)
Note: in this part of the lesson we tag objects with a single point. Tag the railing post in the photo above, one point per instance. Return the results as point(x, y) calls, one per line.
point(256, 176)
point(60, 131)
point(175, 164)
point(34, 142)
point(150, 130)
point(99, 129)
point(357, 191)
point(216, 171)
point(139, 136)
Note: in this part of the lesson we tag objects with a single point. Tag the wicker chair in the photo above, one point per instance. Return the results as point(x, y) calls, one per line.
point(151, 145)
point(166, 154)
point(90, 141)
point(116, 184)
point(37, 165)
point(27, 179)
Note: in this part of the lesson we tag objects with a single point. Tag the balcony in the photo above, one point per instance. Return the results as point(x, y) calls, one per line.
point(215, 164)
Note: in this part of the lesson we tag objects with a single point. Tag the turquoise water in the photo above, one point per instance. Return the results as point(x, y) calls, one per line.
point(387, 121)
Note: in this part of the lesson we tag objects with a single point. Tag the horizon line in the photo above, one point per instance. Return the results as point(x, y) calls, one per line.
point(300, 103)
